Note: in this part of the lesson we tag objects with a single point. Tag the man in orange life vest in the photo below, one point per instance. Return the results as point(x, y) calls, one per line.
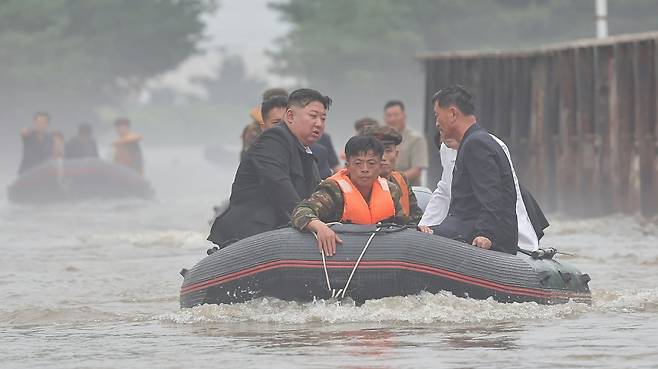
point(356, 194)
point(391, 138)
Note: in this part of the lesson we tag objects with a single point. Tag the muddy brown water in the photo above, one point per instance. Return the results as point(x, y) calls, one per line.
point(95, 285)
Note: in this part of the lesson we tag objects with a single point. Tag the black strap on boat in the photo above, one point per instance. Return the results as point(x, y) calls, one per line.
point(542, 254)
point(341, 228)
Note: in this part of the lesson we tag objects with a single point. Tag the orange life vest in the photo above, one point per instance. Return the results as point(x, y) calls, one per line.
point(404, 199)
point(355, 208)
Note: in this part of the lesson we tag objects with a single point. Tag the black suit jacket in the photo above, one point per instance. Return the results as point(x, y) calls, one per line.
point(322, 158)
point(275, 174)
point(483, 195)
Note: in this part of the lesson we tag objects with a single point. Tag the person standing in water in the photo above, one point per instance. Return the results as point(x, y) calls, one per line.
point(127, 151)
point(37, 143)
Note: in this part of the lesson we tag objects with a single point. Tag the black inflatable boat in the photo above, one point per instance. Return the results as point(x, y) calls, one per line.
point(77, 179)
point(286, 264)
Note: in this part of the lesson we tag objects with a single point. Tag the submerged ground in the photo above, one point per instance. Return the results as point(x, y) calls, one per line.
point(96, 285)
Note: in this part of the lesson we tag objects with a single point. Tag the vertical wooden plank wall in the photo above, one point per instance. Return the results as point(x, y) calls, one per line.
point(580, 119)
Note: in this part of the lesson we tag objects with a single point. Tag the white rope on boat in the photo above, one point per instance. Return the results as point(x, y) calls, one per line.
point(324, 266)
point(342, 291)
point(372, 235)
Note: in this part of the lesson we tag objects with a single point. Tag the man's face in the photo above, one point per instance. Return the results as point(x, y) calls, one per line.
point(364, 168)
point(273, 116)
point(41, 123)
point(394, 117)
point(307, 123)
point(445, 121)
point(388, 160)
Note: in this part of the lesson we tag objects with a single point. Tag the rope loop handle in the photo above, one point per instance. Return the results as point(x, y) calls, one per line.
point(341, 292)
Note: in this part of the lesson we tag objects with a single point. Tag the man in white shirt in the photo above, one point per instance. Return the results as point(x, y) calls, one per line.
point(437, 208)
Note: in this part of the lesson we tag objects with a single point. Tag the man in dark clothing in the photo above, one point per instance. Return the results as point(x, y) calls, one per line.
point(37, 143)
point(482, 209)
point(278, 171)
point(83, 145)
point(332, 157)
point(273, 109)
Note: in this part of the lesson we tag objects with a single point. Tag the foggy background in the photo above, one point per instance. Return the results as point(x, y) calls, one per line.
point(187, 72)
point(95, 284)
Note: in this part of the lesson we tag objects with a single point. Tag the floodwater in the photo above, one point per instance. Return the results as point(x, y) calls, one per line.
point(95, 285)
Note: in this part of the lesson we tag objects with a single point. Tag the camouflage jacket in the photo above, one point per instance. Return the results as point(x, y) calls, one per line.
point(415, 212)
point(326, 204)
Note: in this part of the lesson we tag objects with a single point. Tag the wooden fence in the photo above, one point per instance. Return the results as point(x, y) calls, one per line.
point(579, 118)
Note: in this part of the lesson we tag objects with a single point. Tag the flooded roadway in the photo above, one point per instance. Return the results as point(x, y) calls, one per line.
point(95, 285)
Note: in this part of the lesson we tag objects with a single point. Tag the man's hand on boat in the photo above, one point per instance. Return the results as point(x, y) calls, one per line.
point(482, 242)
point(425, 229)
point(327, 238)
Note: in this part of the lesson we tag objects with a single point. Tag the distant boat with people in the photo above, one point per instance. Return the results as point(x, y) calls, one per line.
point(78, 179)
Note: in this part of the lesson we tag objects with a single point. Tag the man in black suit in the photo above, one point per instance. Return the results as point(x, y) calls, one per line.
point(277, 172)
point(482, 209)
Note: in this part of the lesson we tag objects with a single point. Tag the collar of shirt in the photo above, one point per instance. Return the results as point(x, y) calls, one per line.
point(471, 129)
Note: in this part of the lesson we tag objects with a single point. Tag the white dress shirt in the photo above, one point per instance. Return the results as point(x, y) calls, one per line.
point(437, 207)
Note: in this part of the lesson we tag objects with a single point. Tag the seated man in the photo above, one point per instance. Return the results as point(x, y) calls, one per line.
point(482, 209)
point(530, 229)
point(83, 145)
point(390, 138)
point(277, 172)
point(355, 195)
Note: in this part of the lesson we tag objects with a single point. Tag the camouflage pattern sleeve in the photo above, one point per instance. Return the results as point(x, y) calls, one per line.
point(399, 218)
point(325, 204)
point(415, 212)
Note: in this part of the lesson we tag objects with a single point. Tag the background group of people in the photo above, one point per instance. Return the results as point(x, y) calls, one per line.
point(41, 145)
point(280, 181)
point(413, 153)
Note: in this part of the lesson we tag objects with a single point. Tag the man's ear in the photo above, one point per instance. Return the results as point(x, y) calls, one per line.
point(289, 115)
point(455, 112)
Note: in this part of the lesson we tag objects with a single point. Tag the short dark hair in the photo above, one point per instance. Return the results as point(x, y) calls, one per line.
point(305, 96)
point(41, 114)
point(271, 92)
point(392, 103)
point(122, 122)
point(277, 101)
point(361, 145)
point(457, 96)
point(362, 123)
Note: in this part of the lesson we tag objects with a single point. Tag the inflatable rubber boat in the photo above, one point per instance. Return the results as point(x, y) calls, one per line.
point(77, 179)
point(375, 262)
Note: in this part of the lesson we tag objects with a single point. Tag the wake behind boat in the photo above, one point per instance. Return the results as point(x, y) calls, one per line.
point(286, 264)
point(77, 179)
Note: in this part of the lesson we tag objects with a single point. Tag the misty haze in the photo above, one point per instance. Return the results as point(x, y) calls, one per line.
point(166, 164)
